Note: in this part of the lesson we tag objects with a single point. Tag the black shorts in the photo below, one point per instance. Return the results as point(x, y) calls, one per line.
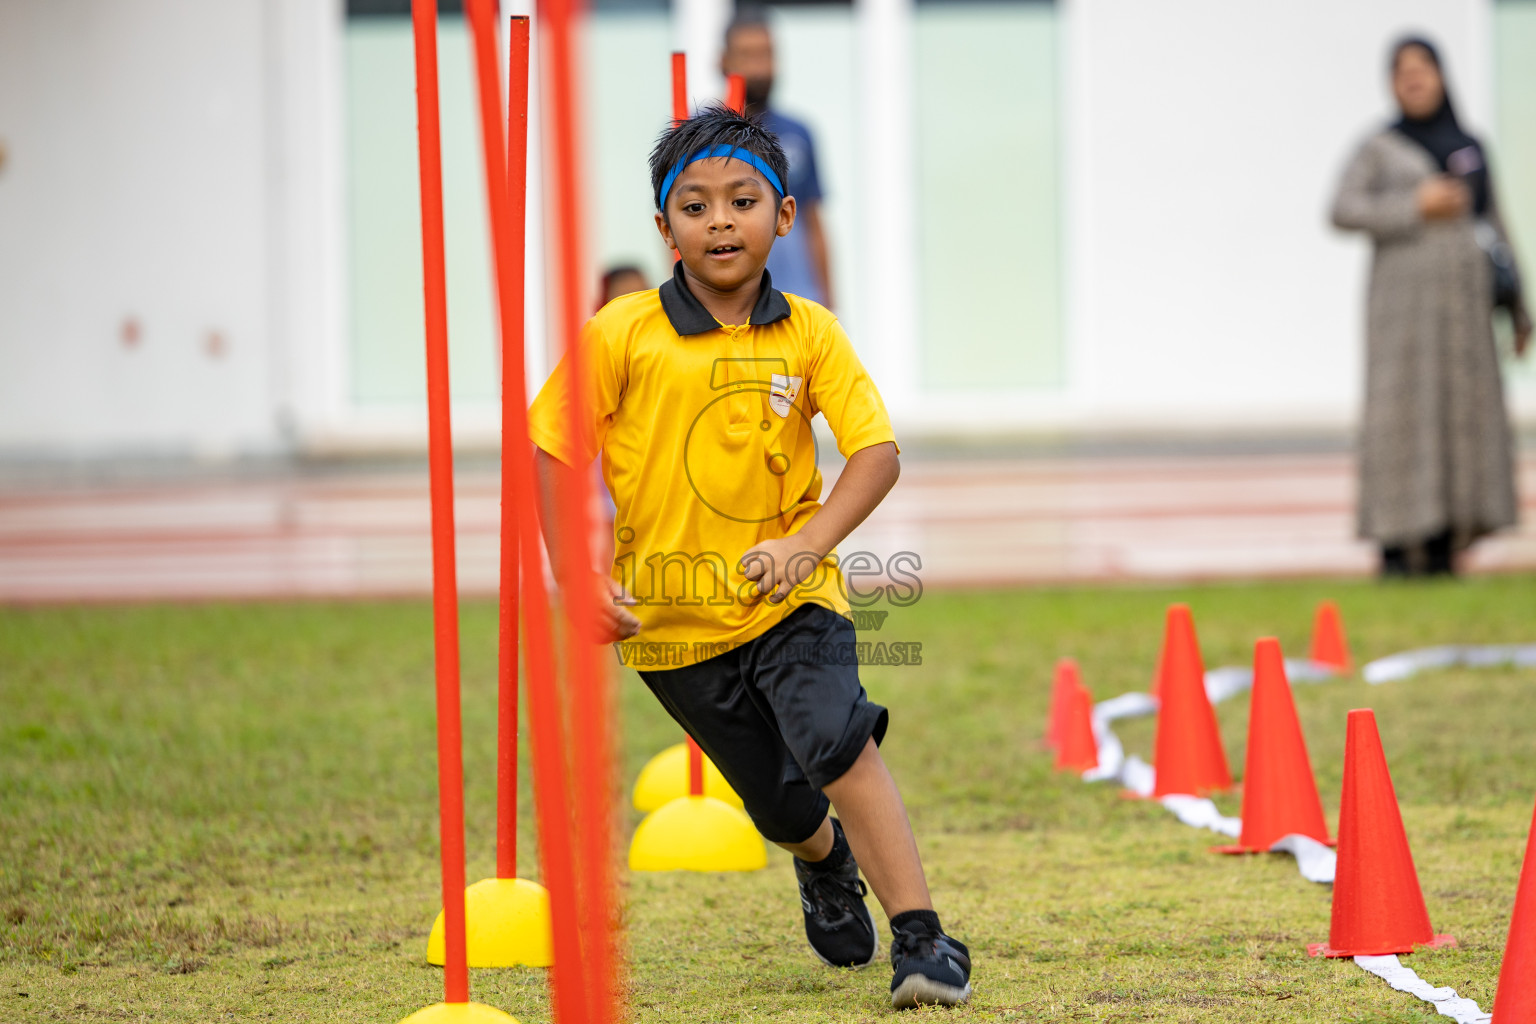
point(780, 716)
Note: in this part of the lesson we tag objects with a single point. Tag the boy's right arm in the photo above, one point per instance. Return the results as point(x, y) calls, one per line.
point(596, 603)
point(606, 616)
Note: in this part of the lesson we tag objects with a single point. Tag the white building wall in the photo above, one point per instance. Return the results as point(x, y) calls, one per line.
point(135, 218)
point(1204, 141)
point(177, 164)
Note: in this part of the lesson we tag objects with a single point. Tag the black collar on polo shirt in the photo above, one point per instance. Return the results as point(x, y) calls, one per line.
point(689, 316)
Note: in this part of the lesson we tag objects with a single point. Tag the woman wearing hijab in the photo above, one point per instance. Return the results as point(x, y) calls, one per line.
point(1436, 456)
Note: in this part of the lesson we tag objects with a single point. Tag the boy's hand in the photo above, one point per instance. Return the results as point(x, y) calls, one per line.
point(613, 621)
point(779, 566)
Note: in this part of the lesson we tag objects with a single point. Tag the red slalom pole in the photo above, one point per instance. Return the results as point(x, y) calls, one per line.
point(445, 605)
point(512, 348)
point(736, 93)
point(586, 680)
point(567, 976)
point(679, 102)
point(679, 86)
point(679, 115)
point(695, 769)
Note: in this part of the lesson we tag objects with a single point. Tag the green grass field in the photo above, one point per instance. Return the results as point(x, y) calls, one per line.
point(228, 812)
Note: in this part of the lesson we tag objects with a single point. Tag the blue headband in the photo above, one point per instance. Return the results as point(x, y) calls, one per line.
point(733, 152)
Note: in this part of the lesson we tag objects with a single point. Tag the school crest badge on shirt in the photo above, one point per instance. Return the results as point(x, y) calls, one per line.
point(783, 390)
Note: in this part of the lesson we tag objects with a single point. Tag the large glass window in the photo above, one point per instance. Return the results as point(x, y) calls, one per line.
point(628, 101)
point(989, 195)
point(386, 361)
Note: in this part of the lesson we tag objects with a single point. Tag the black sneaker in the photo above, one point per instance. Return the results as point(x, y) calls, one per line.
point(931, 969)
point(837, 923)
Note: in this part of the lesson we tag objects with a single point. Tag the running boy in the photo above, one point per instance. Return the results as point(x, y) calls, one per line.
point(699, 397)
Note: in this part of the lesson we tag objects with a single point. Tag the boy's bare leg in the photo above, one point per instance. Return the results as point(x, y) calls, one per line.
point(815, 848)
point(875, 820)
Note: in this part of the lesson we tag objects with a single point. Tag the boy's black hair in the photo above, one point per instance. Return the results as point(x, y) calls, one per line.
point(713, 126)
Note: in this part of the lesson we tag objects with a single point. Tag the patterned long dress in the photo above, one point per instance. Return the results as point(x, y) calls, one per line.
point(1435, 451)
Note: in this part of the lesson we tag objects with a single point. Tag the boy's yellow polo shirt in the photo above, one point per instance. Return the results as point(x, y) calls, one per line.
point(707, 449)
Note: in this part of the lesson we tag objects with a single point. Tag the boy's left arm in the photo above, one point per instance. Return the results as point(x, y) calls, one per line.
point(780, 565)
point(839, 388)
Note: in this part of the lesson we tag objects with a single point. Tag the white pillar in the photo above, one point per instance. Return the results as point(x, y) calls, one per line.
point(537, 345)
point(698, 29)
point(304, 63)
point(1080, 327)
point(888, 201)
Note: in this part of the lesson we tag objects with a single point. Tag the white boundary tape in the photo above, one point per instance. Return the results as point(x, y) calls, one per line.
point(1445, 1000)
point(1316, 862)
point(1140, 778)
point(1400, 666)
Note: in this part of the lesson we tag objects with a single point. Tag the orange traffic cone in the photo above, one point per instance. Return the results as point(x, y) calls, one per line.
point(1515, 1002)
point(1079, 751)
point(1279, 793)
point(1328, 644)
point(1378, 907)
point(1061, 702)
point(1190, 759)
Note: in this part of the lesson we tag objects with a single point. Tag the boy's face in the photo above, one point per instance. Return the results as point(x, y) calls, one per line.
point(722, 217)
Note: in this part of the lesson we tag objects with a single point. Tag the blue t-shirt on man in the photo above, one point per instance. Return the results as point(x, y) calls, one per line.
point(790, 261)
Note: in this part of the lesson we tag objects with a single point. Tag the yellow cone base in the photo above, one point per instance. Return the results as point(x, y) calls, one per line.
point(506, 924)
point(697, 833)
point(665, 778)
point(459, 1013)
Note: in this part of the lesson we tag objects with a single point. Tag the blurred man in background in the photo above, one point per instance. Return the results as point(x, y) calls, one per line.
point(799, 262)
